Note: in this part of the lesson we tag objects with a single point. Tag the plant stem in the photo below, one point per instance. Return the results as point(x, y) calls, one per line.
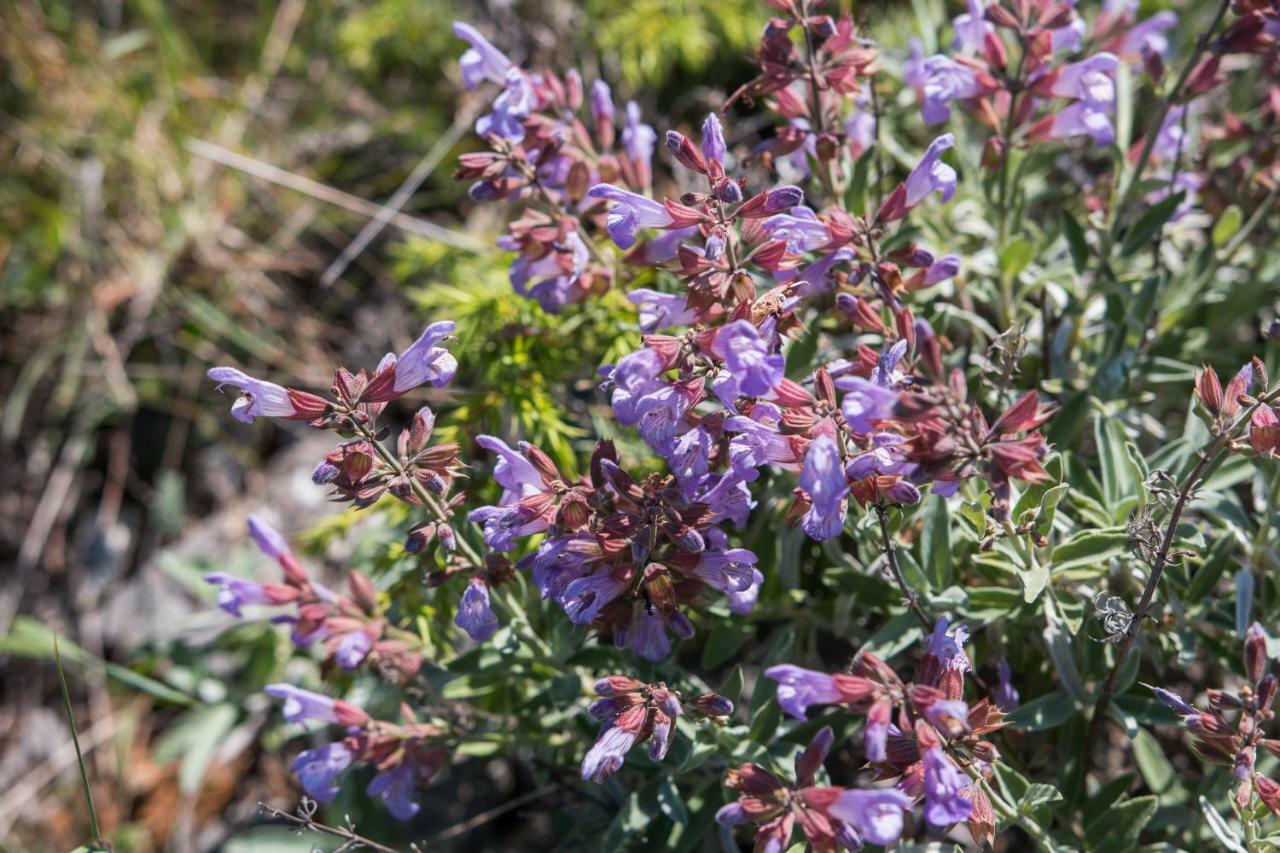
point(304, 821)
point(891, 554)
point(1208, 460)
point(75, 741)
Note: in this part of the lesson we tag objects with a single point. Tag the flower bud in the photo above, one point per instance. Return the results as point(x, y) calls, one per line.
point(1209, 390)
point(362, 591)
point(1255, 653)
point(683, 149)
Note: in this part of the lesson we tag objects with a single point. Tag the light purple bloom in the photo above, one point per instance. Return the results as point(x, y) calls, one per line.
point(1068, 38)
point(1170, 139)
point(1090, 80)
point(517, 476)
point(317, 769)
point(913, 65)
point(1078, 119)
point(1175, 702)
point(713, 146)
point(749, 358)
point(396, 788)
point(267, 538)
point(931, 174)
point(638, 140)
point(943, 783)
point(482, 61)
point(815, 277)
point(756, 441)
point(728, 498)
point(727, 571)
point(585, 597)
point(798, 688)
point(1149, 35)
point(970, 28)
point(742, 603)
point(258, 398)
point(234, 592)
point(301, 705)
point(601, 101)
point(510, 108)
point(504, 525)
point(942, 269)
point(945, 714)
point(884, 457)
point(606, 755)
point(352, 649)
point(689, 455)
point(823, 478)
point(949, 648)
point(1006, 695)
point(800, 227)
point(629, 212)
point(648, 636)
point(944, 80)
point(475, 616)
point(660, 310)
point(424, 361)
point(553, 286)
point(876, 813)
point(865, 402)
point(634, 377)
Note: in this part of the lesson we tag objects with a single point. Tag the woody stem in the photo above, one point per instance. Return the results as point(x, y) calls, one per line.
point(891, 554)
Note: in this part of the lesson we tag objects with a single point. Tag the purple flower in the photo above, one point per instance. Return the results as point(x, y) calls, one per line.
point(560, 560)
point(727, 571)
point(396, 788)
point(1170, 139)
point(944, 80)
point(648, 636)
point(801, 228)
point(554, 285)
point(482, 61)
point(876, 814)
point(728, 499)
point(865, 402)
point(1149, 35)
point(943, 782)
point(317, 769)
point(799, 688)
point(884, 457)
point(713, 146)
point(689, 455)
point(517, 476)
point(948, 715)
point(352, 649)
point(823, 478)
point(970, 28)
point(606, 755)
point(423, 361)
point(660, 417)
point(1006, 694)
point(601, 101)
point(1068, 38)
point(949, 648)
point(756, 441)
point(1090, 80)
point(749, 358)
point(931, 174)
point(504, 525)
point(629, 212)
point(942, 269)
point(234, 592)
point(510, 108)
point(638, 140)
point(634, 377)
point(301, 705)
point(1078, 119)
point(913, 65)
point(585, 597)
point(267, 538)
point(814, 278)
point(660, 310)
point(860, 128)
point(1174, 701)
point(475, 616)
point(742, 603)
point(258, 398)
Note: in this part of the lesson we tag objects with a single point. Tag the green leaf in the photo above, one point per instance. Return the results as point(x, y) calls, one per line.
point(1015, 257)
point(1220, 828)
point(1076, 242)
point(1118, 474)
point(1043, 713)
point(1090, 548)
point(935, 543)
point(1150, 223)
point(1227, 225)
point(1038, 794)
point(723, 643)
point(670, 801)
point(195, 738)
point(1117, 829)
point(1034, 580)
point(1013, 785)
point(1156, 768)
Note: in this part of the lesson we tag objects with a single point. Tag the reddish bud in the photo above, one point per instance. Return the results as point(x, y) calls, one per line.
point(1209, 390)
point(1255, 653)
point(1264, 430)
point(683, 149)
point(362, 591)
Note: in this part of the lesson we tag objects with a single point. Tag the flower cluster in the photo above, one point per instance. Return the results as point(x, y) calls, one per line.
point(550, 139)
point(353, 629)
point(922, 734)
point(1230, 731)
point(405, 755)
point(619, 554)
point(633, 712)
